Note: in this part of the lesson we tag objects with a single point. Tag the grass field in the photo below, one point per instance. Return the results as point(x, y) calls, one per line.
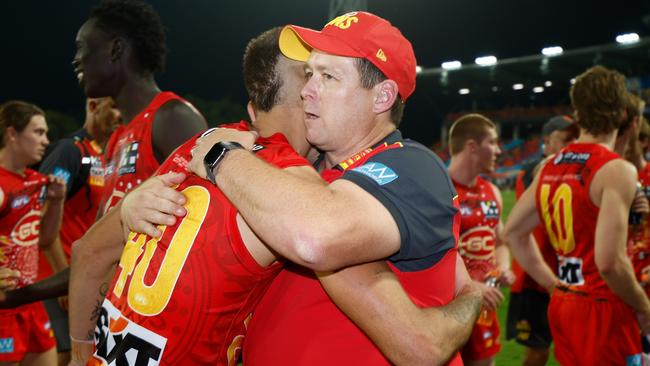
point(511, 353)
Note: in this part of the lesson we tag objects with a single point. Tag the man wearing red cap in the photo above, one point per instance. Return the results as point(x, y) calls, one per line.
point(388, 198)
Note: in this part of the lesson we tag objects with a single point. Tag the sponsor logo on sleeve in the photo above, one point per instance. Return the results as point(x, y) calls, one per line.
point(378, 172)
point(62, 173)
point(6, 345)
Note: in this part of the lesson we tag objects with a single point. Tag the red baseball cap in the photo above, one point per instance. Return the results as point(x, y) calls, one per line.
point(357, 34)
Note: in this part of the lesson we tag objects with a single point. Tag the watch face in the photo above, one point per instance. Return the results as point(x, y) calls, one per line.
point(213, 155)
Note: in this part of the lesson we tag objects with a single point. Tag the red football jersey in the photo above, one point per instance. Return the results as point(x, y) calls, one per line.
point(186, 298)
point(639, 235)
point(522, 279)
point(318, 332)
point(480, 212)
point(569, 215)
point(130, 159)
point(21, 203)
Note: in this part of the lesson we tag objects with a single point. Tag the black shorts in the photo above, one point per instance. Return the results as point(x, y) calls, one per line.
point(59, 322)
point(528, 319)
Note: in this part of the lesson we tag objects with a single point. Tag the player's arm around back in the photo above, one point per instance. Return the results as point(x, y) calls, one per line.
point(93, 257)
point(371, 295)
point(613, 189)
point(320, 226)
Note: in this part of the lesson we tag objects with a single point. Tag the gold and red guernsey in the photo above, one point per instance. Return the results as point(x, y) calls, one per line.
point(480, 212)
point(569, 215)
point(186, 298)
point(21, 203)
point(129, 153)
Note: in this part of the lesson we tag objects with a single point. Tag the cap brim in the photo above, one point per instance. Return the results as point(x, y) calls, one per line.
point(297, 43)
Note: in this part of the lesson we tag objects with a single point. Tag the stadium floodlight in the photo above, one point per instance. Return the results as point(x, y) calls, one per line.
point(517, 86)
point(552, 51)
point(538, 89)
point(572, 81)
point(418, 69)
point(627, 38)
point(451, 65)
point(548, 83)
point(463, 91)
point(486, 60)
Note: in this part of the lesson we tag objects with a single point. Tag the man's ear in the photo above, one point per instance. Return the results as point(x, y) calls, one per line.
point(251, 111)
point(471, 145)
point(386, 93)
point(118, 47)
point(11, 133)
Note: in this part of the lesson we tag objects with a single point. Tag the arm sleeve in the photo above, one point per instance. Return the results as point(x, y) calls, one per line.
point(413, 184)
point(63, 161)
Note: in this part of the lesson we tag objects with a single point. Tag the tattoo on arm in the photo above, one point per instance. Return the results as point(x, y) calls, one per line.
point(103, 290)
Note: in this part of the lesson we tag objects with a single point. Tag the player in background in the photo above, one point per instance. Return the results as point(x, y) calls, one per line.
point(474, 148)
point(583, 196)
point(31, 207)
point(528, 306)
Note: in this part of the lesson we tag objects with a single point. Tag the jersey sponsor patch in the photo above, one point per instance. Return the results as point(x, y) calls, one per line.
point(490, 209)
point(570, 157)
point(128, 159)
point(570, 270)
point(378, 172)
point(120, 341)
point(6, 345)
point(62, 173)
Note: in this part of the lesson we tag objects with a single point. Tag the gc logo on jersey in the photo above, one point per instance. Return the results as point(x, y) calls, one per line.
point(477, 243)
point(122, 342)
point(25, 232)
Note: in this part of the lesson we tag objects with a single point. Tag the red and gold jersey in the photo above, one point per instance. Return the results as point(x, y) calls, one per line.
point(639, 236)
point(21, 203)
point(186, 298)
point(522, 279)
point(569, 215)
point(480, 212)
point(130, 159)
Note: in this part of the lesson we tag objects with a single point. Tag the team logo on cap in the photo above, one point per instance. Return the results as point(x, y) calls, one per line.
point(381, 55)
point(344, 21)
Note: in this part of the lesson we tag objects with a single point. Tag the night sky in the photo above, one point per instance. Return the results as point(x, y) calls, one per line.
point(206, 39)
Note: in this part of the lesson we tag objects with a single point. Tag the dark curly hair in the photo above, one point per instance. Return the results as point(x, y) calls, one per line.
point(260, 75)
point(140, 24)
point(598, 96)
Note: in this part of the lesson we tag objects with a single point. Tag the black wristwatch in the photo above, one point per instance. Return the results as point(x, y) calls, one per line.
point(215, 155)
